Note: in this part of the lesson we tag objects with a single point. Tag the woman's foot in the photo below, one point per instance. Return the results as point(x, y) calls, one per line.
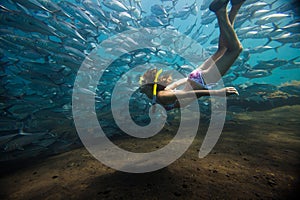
point(236, 2)
point(217, 5)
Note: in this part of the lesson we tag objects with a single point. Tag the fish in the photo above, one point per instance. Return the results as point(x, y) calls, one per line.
point(152, 21)
point(11, 47)
point(30, 54)
point(207, 19)
point(51, 46)
point(287, 38)
point(95, 9)
point(186, 12)
point(79, 14)
point(254, 35)
point(67, 60)
point(205, 5)
point(31, 4)
point(66, 28)
point(271, 18)
point(195, 9)
point(243, 31)
point(123, 16)
point(257, 73)
point(39, 67)
point(135, 12)
point(260, 13)
point(264, 66)
point(77, 43)
point(185, 68)
point(24, 22)
point(115, 5)
point(54, 8)
point(257, 6)
point(292, 28)
point(261, 49)
point(158, 10)
point(15, 39)
point(190, 29)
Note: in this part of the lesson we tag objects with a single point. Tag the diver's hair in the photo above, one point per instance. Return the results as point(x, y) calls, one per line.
point(149, 76)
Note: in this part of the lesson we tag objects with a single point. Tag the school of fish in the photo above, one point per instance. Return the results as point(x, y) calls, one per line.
point(44, 42)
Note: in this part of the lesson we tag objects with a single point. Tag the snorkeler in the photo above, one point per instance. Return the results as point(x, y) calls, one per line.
point(161, 89)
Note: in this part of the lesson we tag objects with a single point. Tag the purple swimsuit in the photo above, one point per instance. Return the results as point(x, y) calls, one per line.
point(196, 76)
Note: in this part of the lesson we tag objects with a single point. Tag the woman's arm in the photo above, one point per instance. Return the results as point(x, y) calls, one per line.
point(171, 96)
point(176, 84)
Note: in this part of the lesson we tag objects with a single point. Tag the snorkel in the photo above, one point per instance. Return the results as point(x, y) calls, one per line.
point(154, 89)
point(155, 86)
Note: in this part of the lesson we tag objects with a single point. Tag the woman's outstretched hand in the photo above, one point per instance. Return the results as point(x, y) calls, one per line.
point(229, 91)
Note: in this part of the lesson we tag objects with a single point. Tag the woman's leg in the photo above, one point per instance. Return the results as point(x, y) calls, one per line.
point(221, 46)
point(232, 45)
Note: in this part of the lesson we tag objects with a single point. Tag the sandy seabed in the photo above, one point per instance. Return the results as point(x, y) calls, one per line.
point(256, 157)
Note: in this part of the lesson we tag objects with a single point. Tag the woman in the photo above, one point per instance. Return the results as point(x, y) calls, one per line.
point(229, 49)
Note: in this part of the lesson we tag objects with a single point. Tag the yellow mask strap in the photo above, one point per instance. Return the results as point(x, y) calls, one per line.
point(155, 81)
point(155, 86)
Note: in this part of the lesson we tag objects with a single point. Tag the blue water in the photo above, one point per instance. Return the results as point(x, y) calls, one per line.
point(38, 101)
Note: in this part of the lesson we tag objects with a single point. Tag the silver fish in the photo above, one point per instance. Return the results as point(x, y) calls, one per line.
point(292, 28)
point(207, 19)
point(260, 49)
point(256, 6)
point(95, 9)
point(66, 28)
point(115, 5)
point(67, 60)
point(24, 22)
point(32, 4)
point(123, 16)
point(23, 41)
point(190, 29)
point(54, 8)
point(205, 4)
point(258, 73)
point(77, 13)
point(287, 38)
point(260, 13)
point(272, 18)
point(158, 10)
point(152, 21)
